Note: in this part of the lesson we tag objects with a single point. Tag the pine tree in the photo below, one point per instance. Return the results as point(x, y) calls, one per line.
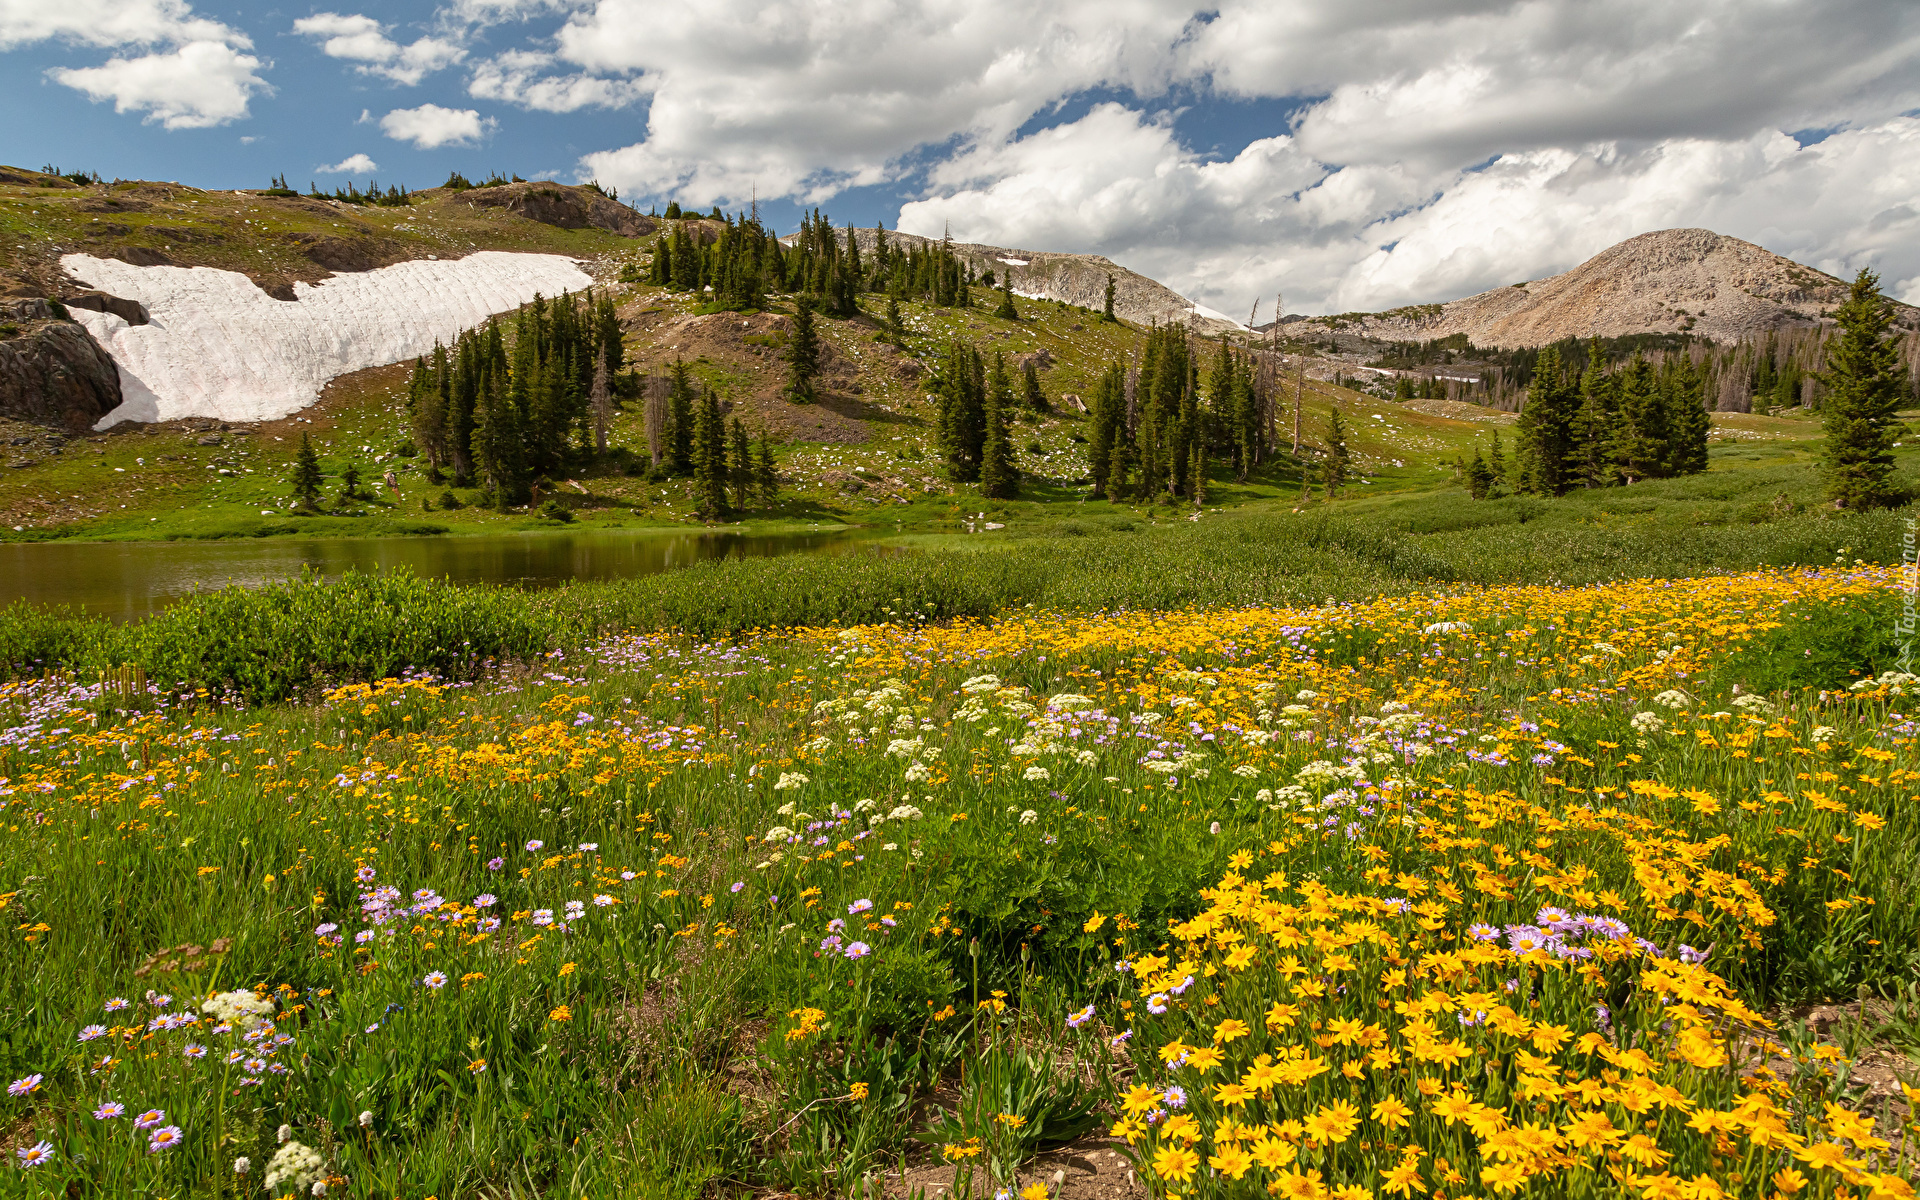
point(1597, 457)
point(803, 354)
point(766, 474)
point(602, 396)
point(1032, 397)
point(680, 420)
point(896, 329)
point(741, 466)
point(962, 398)
point(1107, 312)
point(1687, 411)
point(1497, 462)
point(1865, 386)
point(1108, 420)
point(306, 475)
point(1642, 435)
point(1479, 477)
point(1335, 475)
point(1544, 439)
point(710, 457)
point(1006, 309)
point(499, 443)
point(1198, 473)
point(350, 483)
point(999, 478)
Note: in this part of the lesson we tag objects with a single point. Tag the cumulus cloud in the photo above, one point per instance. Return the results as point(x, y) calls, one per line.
point(1367, 237)
point(361, 39)
point(194, 86)
point(520, 77)
point(355, 164)
point(808, 97)
point(431, 126)
point(203, 78)
point(108, 23)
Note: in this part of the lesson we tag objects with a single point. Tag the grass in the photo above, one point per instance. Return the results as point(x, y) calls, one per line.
point(792, 910)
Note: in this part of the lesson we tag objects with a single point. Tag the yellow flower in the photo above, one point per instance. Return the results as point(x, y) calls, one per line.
point(562, 1013)
point(566, 968)
point(1504, 1177)
point(1334, 1122)
point(1403, 1179)
point(1824, 1156)
point(1140, 1099)
point(1175, 1162)
point(1392, 1112)
point(1230, 1030)
point(1273, 1154)
point(1232, 1161)
point(1034, 1191)
point(1093, 923)
point(859, 1091)
point(1788, 1180)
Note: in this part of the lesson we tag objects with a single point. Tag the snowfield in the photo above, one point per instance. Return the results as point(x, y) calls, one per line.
point(218, 346)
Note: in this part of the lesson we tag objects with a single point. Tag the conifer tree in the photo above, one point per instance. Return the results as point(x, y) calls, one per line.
point(1336, 462)
point(1497, 462)
point(766, 474)
point(710, 457)
point(1479, 477)
point(962, 398)
point(1544, 439)
point(602, 396)
point(803, 354)
point(1119, 485)
point(680, 421)
point(1198, 473)
point(306, 475)
point(1108, 417)
point(1864, 388)
point(1032, 397)
point(1690, 424)
point(998, 476)
point(1642, 434)
point(427, 412)
point(896, 328)
point(1107, 311)
point(740, 466)
point(1598, 460)
point(1006, 309)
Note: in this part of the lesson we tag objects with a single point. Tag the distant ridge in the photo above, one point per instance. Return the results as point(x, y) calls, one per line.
point(1670, 281)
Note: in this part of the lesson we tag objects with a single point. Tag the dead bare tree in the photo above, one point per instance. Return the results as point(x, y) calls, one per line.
point(658, 390)
point(601, 398)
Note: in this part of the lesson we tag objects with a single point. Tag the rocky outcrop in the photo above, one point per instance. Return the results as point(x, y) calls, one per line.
point(52, 372)
point(1671, 281)
point(563, 206)
point(1079, 279)
point(131, 311)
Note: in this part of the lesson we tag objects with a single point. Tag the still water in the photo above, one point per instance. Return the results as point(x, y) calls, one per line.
point(125, 581)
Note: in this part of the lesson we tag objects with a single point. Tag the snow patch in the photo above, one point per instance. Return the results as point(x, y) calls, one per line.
point(1215, 314)
point(218, 346)
point(1016, 262)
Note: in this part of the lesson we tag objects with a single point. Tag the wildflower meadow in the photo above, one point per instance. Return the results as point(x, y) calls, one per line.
point(1475, 892)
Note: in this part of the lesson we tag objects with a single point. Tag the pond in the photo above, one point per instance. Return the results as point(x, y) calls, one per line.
point(126, 581)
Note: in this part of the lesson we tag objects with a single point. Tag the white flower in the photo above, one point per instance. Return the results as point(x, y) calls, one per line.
point(1393, 706)
point(918, 773)
point(366, 1120)
point(1036, 775)
point(1606, 648)
point(1070, 702)
point(891, 846)
point(1824, 733)
point(242, 1165)
point(1029, 817)
point(1306, 694)
point(241, 1007)
point(294, 1164)
point(1263, 796)
point(905, 812)
point(779, 833)
point(1752, 702)
point(1149, 718)
point(1085, 758)
point(1446, 627)
point(785, 810)
point(1214, 828)
point(1673, 698)
point(1297, 710)
point(981, 683)
point(1246, 770)
point(1646, 722)
point(790, 780)
point(283, 1133)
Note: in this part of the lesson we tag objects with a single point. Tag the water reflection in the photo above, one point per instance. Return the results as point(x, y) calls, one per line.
point(126, 581)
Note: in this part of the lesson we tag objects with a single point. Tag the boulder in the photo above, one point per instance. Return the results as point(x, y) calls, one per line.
point(52, 372)
point(131, 311)
point(563, 206)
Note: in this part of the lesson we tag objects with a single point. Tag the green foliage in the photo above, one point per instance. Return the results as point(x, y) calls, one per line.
point(1828, 646)
point(803, 354)
point(306, 475)
point(1865, 387)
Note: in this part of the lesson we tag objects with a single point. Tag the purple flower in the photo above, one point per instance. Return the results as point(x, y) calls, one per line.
point(858, 907)
point(93, 1031)
point(325, 929)
point(25, 1087)
point(858, 950)
point(485, 900)
point(364, 874)
point(494, 864)
point(108, 1110)
point(1174, 1097)
point(150, 1118)
point(1080, 1018)
point(165, 1138)
point(32, 1156)
point(535, 844)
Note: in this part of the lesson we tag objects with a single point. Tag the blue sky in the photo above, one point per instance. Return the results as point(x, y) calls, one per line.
point(1350, 156)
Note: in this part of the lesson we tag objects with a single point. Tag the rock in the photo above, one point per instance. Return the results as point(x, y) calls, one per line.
point(342, 255)
point(566, 207)
point(52, 371)
point(131, 311)
point(139, 256)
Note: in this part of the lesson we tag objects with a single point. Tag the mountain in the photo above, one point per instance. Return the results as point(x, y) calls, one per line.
point(1669, 281)
point(1074, 278)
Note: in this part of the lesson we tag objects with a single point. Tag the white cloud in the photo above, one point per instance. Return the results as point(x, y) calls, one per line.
point(109, 23)
point(516, 77)
point(361, 39)
point(194, 86)
point(356, 164)
point(431, 126)
point(807, 97)
point(1369, 237)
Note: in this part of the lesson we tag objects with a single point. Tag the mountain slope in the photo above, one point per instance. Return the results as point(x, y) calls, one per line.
point(1669, 281)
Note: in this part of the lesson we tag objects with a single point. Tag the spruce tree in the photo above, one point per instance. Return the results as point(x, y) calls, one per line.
point(998, 476)
point(1642, 434)
point(306, 475)
point(741, 466)
point(766, 474)
point(1338, 457)
point(1006, 309)
point(1198, 473)
point(803, 354)
point(1108, 418)
point(680, 420)
point(1479, 477)
point(1497, 462)
point(710, 457)
point(962, 412)
point(1544, 439)
point(1865, 386)
point(1032, 397)
point(1687, 412)
point(896, 328)
point(1597, 451)
point(1107, 312)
